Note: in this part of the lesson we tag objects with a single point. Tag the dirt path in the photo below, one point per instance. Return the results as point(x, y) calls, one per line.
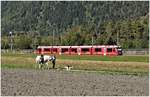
point(63, 83)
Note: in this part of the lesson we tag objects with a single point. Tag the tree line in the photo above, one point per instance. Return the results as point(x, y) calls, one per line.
point(75, 23)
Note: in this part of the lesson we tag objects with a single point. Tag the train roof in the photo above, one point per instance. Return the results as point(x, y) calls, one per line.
point(84, 46)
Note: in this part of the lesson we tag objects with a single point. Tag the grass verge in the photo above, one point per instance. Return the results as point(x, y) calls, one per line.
point(88, 57)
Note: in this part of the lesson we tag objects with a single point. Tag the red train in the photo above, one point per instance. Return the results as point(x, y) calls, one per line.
point(80, 50)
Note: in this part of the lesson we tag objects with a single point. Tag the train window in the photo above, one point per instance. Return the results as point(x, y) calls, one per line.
point(98, 49)
point(114, 50)
point(74, 50)
point(64, 50)
point(47, 49)
point(39, 49)
point(54, 49)
point(109, 49)
point(85, 49)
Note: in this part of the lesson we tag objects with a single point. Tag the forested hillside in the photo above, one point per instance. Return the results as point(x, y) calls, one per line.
point(75, 23)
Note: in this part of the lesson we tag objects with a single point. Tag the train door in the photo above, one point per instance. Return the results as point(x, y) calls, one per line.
point(104, 51)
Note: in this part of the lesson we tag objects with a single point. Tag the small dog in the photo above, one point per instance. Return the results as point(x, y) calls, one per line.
point(68, 67)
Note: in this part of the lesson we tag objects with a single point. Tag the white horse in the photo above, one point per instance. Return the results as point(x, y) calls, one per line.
point(46, 60)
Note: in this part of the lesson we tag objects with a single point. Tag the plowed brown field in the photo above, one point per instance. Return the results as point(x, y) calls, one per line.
point(22, 82)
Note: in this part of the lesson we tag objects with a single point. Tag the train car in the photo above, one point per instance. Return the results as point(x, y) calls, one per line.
point(80, 50)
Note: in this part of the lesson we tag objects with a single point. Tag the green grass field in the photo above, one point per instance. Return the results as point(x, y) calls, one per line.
point(92, 58)
point(134, 65)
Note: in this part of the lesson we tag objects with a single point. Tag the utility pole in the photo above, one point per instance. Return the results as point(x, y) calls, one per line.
point(117, 38)
point(52, 43)
point(92, 40)
point(60, 39)
point(11, 41)
point(53, 38)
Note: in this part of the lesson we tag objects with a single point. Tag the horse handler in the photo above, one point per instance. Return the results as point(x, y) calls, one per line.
point(42, 59)
point(53, 61)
